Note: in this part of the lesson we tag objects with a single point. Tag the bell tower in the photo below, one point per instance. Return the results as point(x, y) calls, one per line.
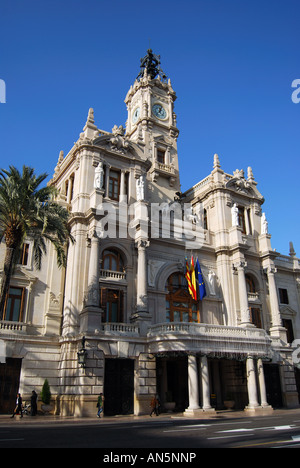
point(151, 122)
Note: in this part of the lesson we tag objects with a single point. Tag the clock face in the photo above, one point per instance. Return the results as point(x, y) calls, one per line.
point(135, 114)
point(159, 111)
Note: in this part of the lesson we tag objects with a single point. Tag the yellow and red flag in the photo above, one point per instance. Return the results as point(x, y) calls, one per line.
point(188, 277)
point(191, 278)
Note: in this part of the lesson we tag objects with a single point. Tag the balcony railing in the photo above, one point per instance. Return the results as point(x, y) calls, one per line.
point(9, 327)
point(214, 340)
point(119, 329)
point(253, 296)
point(112, 275)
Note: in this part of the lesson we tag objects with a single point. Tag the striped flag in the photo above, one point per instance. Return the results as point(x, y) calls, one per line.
point(188, 277)
point(193, 279)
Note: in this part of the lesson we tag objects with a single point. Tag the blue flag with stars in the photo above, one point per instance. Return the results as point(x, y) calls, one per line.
point(200, 280)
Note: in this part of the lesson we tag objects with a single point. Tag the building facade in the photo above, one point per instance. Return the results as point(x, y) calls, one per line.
point(119, 319)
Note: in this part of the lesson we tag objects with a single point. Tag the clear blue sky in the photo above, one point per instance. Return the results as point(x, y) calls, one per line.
point(231, 63)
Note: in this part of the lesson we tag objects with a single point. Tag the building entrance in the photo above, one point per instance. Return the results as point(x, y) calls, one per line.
point(172, 382)
point(9, 384)
point(273, 385)
point(118, 386)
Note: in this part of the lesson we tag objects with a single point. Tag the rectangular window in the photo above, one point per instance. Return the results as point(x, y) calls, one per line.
point(114, 185)
point(112, 305)
point(283, 296)
point(288, 324)
point(161, 156)
point(13, 310)
point(241, 216)
point(249, 220)
point(24, 254)
point(255, 317)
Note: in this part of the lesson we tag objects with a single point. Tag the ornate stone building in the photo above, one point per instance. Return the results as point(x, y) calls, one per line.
point(119, 319)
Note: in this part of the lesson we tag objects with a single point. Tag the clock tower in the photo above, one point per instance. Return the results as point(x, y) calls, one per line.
point(152, 125)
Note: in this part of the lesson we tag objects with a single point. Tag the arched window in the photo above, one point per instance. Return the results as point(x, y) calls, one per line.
point(112, 260)
point(250, 284)
point(180, 307)
point(241, 216)
point(253, 297)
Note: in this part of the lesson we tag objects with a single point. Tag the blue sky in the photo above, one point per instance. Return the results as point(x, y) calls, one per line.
point(231, 63)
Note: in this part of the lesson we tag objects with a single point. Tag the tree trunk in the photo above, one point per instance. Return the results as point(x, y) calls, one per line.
point(8, 265)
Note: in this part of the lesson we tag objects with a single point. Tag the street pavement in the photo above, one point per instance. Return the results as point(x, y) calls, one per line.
point(224, 429)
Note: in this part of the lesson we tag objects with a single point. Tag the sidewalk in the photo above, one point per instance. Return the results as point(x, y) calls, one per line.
point(40, 419)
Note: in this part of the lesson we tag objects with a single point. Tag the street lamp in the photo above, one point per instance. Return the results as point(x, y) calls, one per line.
point(82, 353)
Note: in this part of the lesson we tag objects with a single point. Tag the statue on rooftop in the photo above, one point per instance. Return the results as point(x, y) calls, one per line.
point(151, 63)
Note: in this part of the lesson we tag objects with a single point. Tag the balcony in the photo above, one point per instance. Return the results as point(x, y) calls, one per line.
point(110, 275)
point(212, 340)
point(119, 329)
point(7, 327)
point(253, 297)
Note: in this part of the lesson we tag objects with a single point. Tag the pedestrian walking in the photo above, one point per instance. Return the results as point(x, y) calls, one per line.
point(154, 406)
point(18, 408)
point(100, 405)
point(33, 402)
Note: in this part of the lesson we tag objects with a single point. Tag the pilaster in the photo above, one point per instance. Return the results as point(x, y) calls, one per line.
point(277, 329)
point(243, 295)
point(90, 316)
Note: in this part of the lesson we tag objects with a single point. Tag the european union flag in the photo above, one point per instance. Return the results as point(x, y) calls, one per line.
point(200, 280)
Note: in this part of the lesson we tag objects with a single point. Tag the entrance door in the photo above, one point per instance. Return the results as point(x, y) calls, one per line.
point(9, 384)
point(273, 385)
point(118, 386)
point(172, 381)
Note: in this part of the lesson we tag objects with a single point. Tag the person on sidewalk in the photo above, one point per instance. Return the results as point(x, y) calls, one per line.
point(154, 405)
point(100, 404)
point(33, 403)
point(18, 408)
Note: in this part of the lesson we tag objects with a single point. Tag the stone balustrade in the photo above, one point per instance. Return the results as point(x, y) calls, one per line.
point(214, 340)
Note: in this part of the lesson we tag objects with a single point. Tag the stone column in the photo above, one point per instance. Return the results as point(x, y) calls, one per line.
point(276, 319)
point(123, 196)
point(107, 170)
point(193, 384)
point(243, 295)
point(142, 303)
point(277, 329)
point(205, 385)
point(262, 384)
point(93, 275)
point(141, 316)
point(251, 383)
point(72, 288)
point(90, 316)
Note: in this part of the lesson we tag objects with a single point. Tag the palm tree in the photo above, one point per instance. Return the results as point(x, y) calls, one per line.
point(28, 211)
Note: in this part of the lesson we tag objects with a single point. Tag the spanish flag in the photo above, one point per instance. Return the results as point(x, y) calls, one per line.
point(193, 279)
point(188, 277)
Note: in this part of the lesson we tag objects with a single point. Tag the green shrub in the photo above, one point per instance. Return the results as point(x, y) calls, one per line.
point(45, 393)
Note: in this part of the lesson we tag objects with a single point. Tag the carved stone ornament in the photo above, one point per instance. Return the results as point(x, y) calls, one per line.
point(153, 268)
point(239, 183)
point(118, 142)
point(54, 301)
